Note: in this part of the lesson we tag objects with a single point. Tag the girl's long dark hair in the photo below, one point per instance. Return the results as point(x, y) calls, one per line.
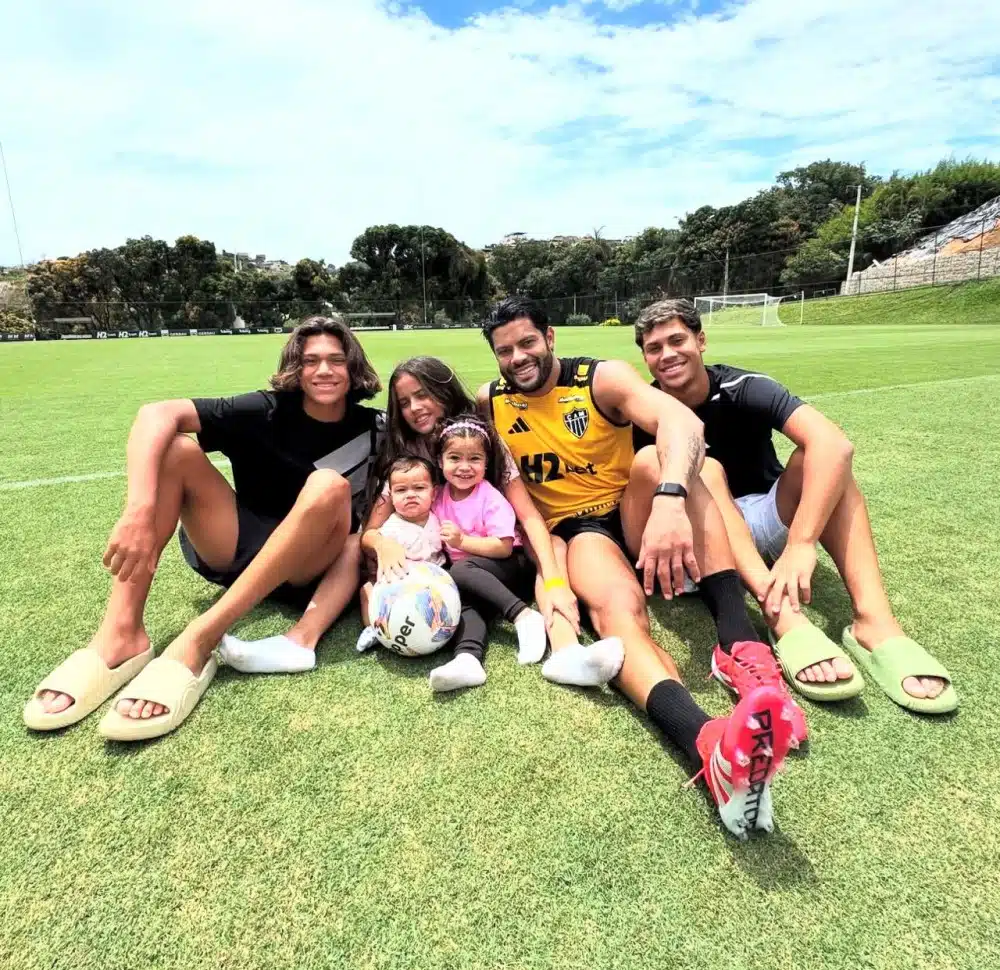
point(442, 383)
point(472, 426)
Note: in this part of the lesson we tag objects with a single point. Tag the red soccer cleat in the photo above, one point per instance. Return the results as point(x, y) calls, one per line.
point(740, 755)
point(751, 665)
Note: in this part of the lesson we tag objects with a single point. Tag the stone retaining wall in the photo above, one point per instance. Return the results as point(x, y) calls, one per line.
point(900, 274)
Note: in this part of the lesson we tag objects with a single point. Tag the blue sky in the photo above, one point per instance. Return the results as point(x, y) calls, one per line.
point(288, 128)
point(626, 13)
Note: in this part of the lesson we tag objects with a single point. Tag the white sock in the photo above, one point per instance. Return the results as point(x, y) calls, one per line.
point(582, 666)
point(463, 671)
point(531, 636)
point(273, 655)
point(367, 640)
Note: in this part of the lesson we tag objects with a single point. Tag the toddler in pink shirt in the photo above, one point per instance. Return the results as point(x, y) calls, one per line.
point(478, 526)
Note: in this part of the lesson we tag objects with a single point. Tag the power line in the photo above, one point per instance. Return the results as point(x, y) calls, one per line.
point(10, 199)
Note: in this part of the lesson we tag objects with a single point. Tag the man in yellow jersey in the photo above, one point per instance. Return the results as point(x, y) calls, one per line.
point(568, 424)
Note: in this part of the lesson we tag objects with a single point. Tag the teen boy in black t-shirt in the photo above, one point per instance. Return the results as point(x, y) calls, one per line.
point(300, 456)
point(274, 445)
point(778, 513)
point(740, 412)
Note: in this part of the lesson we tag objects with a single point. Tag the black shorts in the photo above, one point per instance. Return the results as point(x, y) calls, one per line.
point(609, 524)
point(254, 531)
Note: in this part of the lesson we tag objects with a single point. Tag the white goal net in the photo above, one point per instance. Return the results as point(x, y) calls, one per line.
point(755, 309)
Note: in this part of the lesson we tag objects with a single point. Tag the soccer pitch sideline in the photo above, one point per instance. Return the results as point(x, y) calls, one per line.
point(350, 818)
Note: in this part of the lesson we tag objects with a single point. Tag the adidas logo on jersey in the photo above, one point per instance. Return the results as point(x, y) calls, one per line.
point(519, 426)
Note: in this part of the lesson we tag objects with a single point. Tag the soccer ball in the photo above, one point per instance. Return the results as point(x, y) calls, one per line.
point(417, 614)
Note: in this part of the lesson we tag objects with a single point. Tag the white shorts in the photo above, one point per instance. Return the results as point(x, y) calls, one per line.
point(761, 513)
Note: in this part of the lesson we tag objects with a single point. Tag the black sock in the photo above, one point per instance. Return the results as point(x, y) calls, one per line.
point(723, 595)
point(675, 712)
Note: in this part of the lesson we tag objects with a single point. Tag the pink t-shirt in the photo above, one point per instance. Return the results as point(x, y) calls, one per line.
point(485, 513)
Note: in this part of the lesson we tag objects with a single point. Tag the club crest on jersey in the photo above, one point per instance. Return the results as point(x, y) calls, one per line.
point(577, 421)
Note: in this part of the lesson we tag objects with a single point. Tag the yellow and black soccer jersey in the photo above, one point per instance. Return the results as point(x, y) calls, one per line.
point(574, 460)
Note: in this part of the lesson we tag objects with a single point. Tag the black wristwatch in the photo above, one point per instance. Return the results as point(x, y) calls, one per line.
point(671, 488)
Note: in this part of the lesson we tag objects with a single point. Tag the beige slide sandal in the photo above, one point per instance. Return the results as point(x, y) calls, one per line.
point(88, 680)
point(167, 682)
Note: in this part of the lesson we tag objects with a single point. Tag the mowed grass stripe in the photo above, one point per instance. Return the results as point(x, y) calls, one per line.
point(67, 407)
point(80, 479)
point(812, 398)
point(223, 463)
point(349, 818)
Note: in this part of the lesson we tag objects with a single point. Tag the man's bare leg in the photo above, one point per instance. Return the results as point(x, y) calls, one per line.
point(723, 594)
point(570, 662)
point(605, 582)
point(649, 678)
point(849, 541)
point(334, 593)
point(302, 546)
point(295, 651)
point(192, 490)
point(561, 632)
point(617, 608)
point(721, 587)
point(755, 574)
point(711, 546)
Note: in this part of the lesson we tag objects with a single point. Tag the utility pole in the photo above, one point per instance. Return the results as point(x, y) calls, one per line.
point(423, 273)
point(854, 239)
point(725, 278)
point(10, 199)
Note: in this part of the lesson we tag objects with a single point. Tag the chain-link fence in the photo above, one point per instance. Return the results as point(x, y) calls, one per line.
point(888, 259)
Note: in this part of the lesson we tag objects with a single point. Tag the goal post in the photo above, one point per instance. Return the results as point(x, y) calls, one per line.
point(750, 309)
point(771, 318)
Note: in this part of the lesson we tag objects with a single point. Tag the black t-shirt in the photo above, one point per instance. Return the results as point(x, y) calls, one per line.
point(741, 411)
point(274, 446)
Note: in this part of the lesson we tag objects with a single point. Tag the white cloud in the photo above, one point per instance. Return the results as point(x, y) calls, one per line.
point(289, 128)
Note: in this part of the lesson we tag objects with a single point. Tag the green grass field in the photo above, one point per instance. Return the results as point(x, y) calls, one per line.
point(348, 818)
point(937, 305)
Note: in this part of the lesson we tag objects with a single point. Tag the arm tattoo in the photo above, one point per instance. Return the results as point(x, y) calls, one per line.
point(683, 456)
point(695, 454)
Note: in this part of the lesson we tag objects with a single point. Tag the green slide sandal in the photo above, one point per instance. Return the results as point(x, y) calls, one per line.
point(896, 659)
point(808, 645)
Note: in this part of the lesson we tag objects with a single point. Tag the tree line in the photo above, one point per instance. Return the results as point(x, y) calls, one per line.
point(794, 235)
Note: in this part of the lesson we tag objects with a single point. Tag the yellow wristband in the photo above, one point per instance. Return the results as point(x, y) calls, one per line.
point(554, 582)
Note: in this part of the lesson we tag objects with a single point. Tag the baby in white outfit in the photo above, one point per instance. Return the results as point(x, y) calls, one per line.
point(412, 524)
point(421, 540)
